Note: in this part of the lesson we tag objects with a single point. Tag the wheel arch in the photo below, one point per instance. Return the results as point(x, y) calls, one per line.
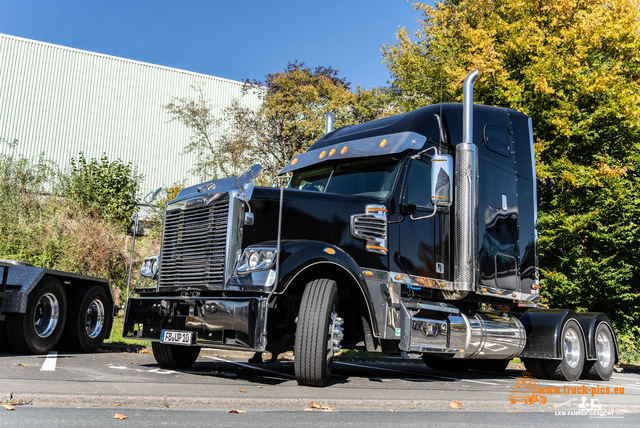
point(308, 260)
point(544, 332)
point(591, 321)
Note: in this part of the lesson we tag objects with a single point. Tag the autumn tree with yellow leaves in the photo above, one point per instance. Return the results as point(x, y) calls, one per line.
point(574, 67)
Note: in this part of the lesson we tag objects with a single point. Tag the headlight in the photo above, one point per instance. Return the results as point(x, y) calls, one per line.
point(256, 259)
point(150, 266)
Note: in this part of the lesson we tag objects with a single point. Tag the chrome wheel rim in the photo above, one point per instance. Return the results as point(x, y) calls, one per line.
point(603, 348)
point(94, 318)
point(571, 348)
point(45, 318)
point(335, 335)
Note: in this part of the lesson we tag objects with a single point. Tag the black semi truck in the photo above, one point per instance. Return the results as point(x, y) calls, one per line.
point(414, 233)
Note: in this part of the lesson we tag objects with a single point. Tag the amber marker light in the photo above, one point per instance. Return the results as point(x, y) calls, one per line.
point(294, 161)
point(368, 273)
point(344, 150)
point(322, 154)
point(500, 293)
point(330, 251)
point(484, 290)
point(383, 143)
point(535, 286)
point(514, 294)
point(332, 152)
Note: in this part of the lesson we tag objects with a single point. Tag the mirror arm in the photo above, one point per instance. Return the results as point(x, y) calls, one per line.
point(417, 155)
point(435, 209)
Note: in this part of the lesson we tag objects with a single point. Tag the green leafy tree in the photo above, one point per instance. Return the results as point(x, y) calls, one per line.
point(295, 102)
point(107, 187)
point(574, 67)
point(224, 144)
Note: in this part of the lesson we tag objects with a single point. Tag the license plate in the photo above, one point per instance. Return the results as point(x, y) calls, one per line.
point(177, 337)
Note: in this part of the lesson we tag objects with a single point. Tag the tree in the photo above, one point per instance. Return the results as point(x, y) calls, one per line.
point(295, 102)
point(574, 67)
point(224, 145)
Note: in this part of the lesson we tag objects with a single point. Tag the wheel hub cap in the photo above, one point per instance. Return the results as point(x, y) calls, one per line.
point(603, 349)
point(46, 315)
point(571, 348)
point(94, 319)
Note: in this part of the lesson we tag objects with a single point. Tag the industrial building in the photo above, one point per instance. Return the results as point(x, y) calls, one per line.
point(61, 101)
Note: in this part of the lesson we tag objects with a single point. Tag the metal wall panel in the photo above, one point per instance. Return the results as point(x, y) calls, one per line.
point(61, 101)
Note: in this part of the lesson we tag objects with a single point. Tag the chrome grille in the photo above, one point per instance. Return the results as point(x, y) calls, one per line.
point(372, 227)
point(193, 246)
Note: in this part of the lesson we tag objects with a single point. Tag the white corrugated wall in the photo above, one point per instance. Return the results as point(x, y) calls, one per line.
point(61, 101)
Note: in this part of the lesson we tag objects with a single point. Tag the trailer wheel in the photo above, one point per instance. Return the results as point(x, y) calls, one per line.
point(38, 330)
point(570, 366)
point(602, 367)
point(88, 319)
point(437, 362)
point(318, 333)
point(174, 356)
point(535, 367)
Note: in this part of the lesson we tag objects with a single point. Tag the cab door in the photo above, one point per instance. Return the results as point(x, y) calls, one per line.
point(420, 251)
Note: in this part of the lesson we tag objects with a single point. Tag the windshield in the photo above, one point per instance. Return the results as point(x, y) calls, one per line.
point(370, 178)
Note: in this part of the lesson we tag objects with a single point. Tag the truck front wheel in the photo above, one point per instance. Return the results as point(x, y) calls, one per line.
point(602, 367)
point(318, 333)
point(89, 319)
point(38, 330)
point(572, 348)
point(174, 356)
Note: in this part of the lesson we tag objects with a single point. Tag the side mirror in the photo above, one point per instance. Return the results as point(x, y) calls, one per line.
point(441, 181)
point(151, 196)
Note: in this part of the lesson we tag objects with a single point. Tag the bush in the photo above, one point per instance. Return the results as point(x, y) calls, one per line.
point(108, 188)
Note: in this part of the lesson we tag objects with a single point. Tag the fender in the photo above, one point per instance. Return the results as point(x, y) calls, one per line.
point(298, 256)
point(544, 331)
point(591, 321)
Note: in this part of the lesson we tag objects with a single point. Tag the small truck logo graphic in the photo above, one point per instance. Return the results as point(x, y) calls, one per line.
point(526, 391)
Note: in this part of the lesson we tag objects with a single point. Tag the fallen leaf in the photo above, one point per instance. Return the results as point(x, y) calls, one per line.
point(236, 411)
point(131, 362)
point(313, 405)
point(119, 416)
point(455, 404)
point(412, 407)
point(261, 387)
point(24, 365)
point(307, 410)
point(109, 364)
point(225, 356)
point(117, 405)
point(8, 407)
point(178, 375)
point(242, 390)
point(637, 383)
point(466, 386)
point(95, 405)
point(391, 410)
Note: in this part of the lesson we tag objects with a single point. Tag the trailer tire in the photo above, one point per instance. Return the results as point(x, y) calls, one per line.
point(174, 356)
point(88, 319)
point(535, 367)
point(318, 326)
point(38, 330)
point(437, 362)
point(602, 367)
point(572, 347)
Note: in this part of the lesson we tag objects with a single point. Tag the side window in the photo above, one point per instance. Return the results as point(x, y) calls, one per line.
point(497, 138)
point(419, 184)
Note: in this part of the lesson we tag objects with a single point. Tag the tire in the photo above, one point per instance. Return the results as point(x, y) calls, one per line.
point(174, 356)
point(602, 367)
point(495, 366)
point(535, 367)
point(318, 333)
point(38, 330)
point(88, 319)
point(437, 362)
point(570, 366)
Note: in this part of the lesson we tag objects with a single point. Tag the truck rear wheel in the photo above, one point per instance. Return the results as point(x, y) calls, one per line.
point(602, 367)
point(174, 356)
point(38, 330)
point(88, 319)
point(318, 333)
point(535, 367)
point(572, 348)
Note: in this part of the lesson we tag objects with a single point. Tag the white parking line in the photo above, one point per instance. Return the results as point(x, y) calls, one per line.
point(49, 364)
point(251, 367)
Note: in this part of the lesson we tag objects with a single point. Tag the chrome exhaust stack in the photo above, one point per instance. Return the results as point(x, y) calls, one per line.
point(329, 122)
point(466, 248)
